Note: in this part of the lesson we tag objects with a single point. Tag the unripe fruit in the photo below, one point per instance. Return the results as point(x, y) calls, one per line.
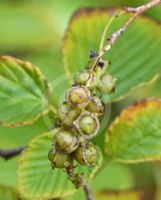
point(66, 141)
point(95, 105)
point(67, 114)
point(86, 154)
point(78, 96)
point(58, 159)
point(51, 154)
point(82, 78)
point(87, 124)
point(106, 83)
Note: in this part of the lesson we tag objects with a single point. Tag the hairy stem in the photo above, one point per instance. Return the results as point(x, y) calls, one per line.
point(136, 12)
point(88, 192)
point(8, 154)
point(107, 28)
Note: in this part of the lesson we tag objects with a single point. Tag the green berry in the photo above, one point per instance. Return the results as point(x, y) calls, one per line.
point(78, 96)
point(95, 105)
point(82, 78)
point(59, 159)
point(51, 154)
point(87, 124)
point(66, 141)
point(67, 114)
point(86, 154)
point(106, 83)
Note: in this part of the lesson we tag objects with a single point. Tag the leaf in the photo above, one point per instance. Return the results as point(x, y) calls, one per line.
point(8, 172)
point(8, 193)
point(135, 60)
point(46, 60)
point(157, 176)
point(119, 178)
point(18, 136)
point(105, 195)
point(135, 136)
point(37, 179)
point(24, 92)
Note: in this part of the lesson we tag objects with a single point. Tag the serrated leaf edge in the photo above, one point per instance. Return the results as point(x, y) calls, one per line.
point(48, 86)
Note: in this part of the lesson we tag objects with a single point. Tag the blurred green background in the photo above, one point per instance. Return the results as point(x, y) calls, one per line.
point(33, 30)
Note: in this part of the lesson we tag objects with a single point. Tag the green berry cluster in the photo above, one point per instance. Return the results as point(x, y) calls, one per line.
point(78, 117)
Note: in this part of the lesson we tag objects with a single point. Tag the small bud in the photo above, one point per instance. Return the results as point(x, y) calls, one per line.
point(86, 154)
point(101, 64)
point(87, 124)
point(82, 78)
point(67, 114)
point(106, 83)
point(101, 68)
point(95, 106)
point(78, 96)
point(58, 159)
point(51, 154)
point(66, 141)
point(77, 179)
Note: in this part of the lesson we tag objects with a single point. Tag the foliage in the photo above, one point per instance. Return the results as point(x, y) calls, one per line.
point(27, 96)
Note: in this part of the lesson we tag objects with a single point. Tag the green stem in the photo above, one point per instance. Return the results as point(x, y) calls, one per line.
point(103, 38)
point(103, 47)
point(52, 108)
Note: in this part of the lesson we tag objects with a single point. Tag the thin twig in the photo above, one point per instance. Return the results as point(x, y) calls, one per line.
point(8, 154)
point(136, 12)
point(103, 38)
point(88, 192)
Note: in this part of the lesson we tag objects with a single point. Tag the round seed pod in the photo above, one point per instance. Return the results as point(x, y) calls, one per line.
point(51, 154)
point(66, 141)
point(106, 84)
point(86, 154)
point(78, 96)
point(87, 124)
point(95, 105)
point(82, 78)
point(58, 159)
point(67, 114)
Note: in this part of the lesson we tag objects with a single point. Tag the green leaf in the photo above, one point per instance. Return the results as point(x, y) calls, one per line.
point(8, 193)
point(135, 136)
point(24, 92)
point(12, 138)
point(37, 179)
point(158, 180)
point(132, 195)
point(8, 172)
point(118, 175)
point(134, 56)
point(58, 79)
